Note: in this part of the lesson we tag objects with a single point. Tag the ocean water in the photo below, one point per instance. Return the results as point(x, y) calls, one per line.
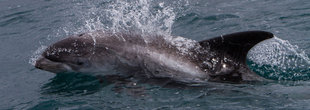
point(27, 27)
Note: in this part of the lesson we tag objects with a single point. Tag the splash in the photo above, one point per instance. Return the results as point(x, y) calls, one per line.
point(146, 17)
point(36, 55)
point(141, 16)
point(279, 59)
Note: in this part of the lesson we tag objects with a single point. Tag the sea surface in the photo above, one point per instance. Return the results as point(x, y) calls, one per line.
point(27, 27)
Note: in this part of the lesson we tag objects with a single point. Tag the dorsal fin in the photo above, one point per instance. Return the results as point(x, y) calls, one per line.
point(236, 45)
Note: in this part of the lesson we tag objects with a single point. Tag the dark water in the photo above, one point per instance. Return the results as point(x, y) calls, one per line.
point(27, 26)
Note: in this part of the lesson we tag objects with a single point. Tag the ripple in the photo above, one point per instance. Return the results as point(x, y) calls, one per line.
point(220, 17)
point(294, 16)
point(17, 14)
point(194, 17)
point(18, 17)
point(67, 84)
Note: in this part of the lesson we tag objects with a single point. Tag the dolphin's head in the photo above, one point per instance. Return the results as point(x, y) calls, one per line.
point(72, 54)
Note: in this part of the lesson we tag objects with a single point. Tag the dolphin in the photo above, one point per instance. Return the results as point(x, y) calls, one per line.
point(100, 53)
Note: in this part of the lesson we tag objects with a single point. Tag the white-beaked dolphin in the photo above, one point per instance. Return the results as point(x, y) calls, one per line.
point(221, 59)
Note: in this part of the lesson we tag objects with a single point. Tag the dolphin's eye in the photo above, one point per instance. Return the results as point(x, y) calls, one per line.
point(79, 63)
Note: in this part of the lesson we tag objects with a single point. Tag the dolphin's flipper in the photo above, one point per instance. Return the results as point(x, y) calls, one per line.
point(234, 47)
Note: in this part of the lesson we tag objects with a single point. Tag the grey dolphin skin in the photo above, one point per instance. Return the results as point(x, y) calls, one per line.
point(220, 59)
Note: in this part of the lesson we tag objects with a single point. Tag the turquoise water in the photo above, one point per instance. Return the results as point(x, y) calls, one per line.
point(27, 27)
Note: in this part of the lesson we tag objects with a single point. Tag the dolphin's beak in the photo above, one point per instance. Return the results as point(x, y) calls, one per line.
point(48, 65)
point(38, 63)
